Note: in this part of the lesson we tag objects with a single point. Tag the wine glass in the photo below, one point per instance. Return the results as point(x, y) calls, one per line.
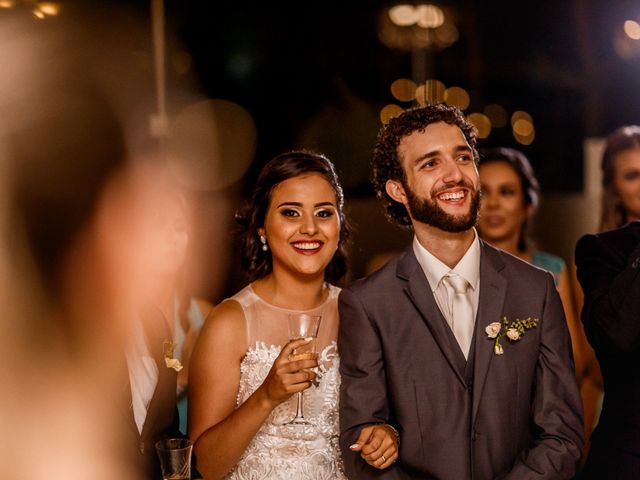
point(302, 325)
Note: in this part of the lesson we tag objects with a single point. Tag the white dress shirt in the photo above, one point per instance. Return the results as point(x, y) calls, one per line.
point(468, 268)
point(143, 375)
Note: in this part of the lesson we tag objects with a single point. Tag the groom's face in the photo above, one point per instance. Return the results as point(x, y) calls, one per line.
point(441, 187)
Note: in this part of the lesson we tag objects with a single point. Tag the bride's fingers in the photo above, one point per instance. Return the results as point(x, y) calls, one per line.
point(288, 350)
point(297, 365)
point(300, 381)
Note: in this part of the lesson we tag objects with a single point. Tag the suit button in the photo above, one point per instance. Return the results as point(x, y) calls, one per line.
point(469, 384)
point(636, 263)
point(474, 435)
point(141, 448)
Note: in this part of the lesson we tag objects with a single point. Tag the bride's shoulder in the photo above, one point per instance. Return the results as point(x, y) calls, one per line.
point(226, 320)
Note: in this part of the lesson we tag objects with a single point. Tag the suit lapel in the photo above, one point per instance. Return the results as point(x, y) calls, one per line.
point(493, 288)
point(420, 294)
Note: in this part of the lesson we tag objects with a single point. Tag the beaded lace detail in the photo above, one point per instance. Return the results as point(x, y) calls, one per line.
point(283, 452)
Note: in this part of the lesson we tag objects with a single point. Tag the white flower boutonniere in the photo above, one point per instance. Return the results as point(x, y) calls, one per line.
point(514, 331)
point(168, 347)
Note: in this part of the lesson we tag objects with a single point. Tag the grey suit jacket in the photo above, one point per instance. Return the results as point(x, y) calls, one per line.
point(516, 416)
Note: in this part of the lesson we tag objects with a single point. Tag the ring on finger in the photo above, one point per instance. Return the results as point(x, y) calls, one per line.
point(384, 459)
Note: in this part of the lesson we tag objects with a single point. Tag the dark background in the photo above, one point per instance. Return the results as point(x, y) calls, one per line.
point(316, 75)
point(299, 66)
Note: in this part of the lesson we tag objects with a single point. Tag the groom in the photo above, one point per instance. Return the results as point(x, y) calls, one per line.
point(455, 357)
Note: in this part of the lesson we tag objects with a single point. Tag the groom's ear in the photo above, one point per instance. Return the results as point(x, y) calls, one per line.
point(396, 191)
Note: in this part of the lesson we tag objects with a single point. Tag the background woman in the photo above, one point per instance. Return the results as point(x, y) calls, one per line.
point(510, 198)
point(607, 275)
point(242, 381)
point(621, 178)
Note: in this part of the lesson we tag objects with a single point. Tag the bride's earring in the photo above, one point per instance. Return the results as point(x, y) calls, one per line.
point(263, 240)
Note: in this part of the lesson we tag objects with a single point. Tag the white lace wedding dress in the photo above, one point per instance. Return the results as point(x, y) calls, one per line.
point(286, 452)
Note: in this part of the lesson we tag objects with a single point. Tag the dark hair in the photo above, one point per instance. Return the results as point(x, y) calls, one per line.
point(613, 213)
point(386, 163)
point(528, 181)
point(282, 167)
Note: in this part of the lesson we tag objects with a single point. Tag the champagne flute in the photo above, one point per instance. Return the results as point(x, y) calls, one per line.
point(302, 325)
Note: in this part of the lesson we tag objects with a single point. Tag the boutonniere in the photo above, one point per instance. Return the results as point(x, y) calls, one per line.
point(168, 347)
point(514, 331)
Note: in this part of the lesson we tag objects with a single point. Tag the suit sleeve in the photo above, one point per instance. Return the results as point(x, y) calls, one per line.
point(556, 412)
point(363, 393)
point(611, 285)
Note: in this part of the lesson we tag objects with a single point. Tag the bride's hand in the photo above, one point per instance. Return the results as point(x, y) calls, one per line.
point(287, 376)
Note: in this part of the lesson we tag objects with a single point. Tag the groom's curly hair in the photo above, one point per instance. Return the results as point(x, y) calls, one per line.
point(386, 163)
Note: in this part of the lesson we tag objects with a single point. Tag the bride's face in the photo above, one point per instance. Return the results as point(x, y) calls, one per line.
point(302, 225)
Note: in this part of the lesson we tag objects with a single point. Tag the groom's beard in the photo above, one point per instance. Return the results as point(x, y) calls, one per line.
point(427, 210)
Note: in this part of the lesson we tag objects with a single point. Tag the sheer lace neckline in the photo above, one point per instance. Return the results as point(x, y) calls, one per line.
point(330, 295)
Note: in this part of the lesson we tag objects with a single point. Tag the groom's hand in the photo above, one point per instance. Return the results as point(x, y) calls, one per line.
point(378, 445)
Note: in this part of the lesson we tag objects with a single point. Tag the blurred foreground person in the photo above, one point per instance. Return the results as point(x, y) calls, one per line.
point(455, 356)
point(510, 194)
point(76, 251)
point(244, 373)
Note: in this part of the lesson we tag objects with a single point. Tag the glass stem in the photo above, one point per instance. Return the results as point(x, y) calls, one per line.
point(299, 406)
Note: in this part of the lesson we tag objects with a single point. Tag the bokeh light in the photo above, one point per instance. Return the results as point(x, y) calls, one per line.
point(632, 29)
point(523, 127)
point(458, 97)
point(429, 16)
point(212, 143)
point(403, 15)
point(520, 115)
point(424, 15)
point(409, 27)
point(390, 111)
point(525, 140)
point(49, 8)
point(482, 124)
point(497, 114)
point(430, 92)
point(46, 9)
point(404, 89)
point(7, 3)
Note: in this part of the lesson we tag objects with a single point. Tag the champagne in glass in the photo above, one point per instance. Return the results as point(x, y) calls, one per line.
point(303, 326)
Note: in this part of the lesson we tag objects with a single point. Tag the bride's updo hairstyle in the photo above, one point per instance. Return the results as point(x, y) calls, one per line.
point(256, 261)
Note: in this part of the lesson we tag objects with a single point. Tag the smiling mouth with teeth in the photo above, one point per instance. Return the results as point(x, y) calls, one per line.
point(452, 196)
point(307, 245)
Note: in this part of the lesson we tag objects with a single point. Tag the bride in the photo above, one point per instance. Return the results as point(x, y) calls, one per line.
point(243, 381)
